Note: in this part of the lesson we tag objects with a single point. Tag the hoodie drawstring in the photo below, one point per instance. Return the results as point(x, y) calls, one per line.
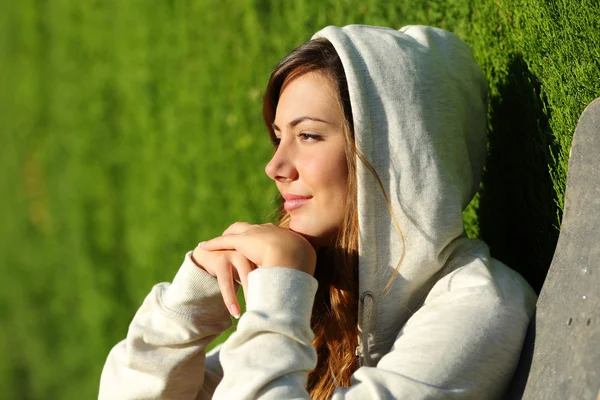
point(367, 305)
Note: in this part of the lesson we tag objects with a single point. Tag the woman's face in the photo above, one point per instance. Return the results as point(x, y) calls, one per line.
point(309, 165)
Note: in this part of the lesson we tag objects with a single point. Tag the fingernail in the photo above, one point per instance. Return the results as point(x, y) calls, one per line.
point(200, 244)
point(234, 310)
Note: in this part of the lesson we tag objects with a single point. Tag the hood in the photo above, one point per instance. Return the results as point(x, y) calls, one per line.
point(419, 103)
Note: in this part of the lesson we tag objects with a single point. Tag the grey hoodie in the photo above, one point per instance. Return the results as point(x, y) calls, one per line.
point(453, 321)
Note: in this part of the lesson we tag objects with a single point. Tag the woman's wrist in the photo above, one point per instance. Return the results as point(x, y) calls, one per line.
point(195, 261)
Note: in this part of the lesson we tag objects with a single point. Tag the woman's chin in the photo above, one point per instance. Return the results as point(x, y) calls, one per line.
point(316, 237)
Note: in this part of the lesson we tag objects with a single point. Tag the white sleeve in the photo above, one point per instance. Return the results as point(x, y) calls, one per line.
point(164, 355)
point(462, 343)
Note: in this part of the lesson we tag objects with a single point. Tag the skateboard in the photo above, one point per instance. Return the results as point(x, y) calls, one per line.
point(561, 353)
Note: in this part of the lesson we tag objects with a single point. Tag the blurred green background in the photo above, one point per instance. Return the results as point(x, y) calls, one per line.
point(130, 130)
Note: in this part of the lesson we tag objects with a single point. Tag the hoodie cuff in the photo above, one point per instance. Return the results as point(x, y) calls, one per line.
point(282, 293)
point(194, 290)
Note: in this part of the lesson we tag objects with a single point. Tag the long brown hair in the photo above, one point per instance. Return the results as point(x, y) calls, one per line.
point(335, 311)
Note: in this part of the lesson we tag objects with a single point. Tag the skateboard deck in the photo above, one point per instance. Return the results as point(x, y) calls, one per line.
point(561, 353)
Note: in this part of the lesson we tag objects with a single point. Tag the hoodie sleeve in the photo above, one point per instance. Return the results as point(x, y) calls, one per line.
point(271, 353)
point(164, 355)
point(462, 343)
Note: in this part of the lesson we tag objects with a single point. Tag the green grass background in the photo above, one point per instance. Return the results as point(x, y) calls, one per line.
point(130, 130)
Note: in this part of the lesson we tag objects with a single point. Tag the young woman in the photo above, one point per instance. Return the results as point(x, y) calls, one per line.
point(368, 288)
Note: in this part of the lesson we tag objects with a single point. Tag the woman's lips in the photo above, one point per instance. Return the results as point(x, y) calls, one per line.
point(293, 201)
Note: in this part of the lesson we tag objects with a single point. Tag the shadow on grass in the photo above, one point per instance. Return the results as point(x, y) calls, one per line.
point(518, 212)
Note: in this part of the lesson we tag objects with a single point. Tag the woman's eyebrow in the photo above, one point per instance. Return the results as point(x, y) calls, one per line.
point(299, 120)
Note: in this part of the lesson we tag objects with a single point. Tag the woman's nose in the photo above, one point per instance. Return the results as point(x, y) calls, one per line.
point(281, 167)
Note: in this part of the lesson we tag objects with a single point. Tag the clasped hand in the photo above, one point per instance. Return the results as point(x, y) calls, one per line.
point(244, 247)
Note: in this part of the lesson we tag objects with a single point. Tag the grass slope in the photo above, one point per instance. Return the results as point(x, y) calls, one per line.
point(132, 130)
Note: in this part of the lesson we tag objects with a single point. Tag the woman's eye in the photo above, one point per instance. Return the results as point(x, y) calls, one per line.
point(276, 140)
point(309, 137)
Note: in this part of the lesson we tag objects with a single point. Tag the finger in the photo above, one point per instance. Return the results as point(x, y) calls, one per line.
point(244, 267)
point(237, 227)
point(237, 278)
point(227, 242)
point(225, 279)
